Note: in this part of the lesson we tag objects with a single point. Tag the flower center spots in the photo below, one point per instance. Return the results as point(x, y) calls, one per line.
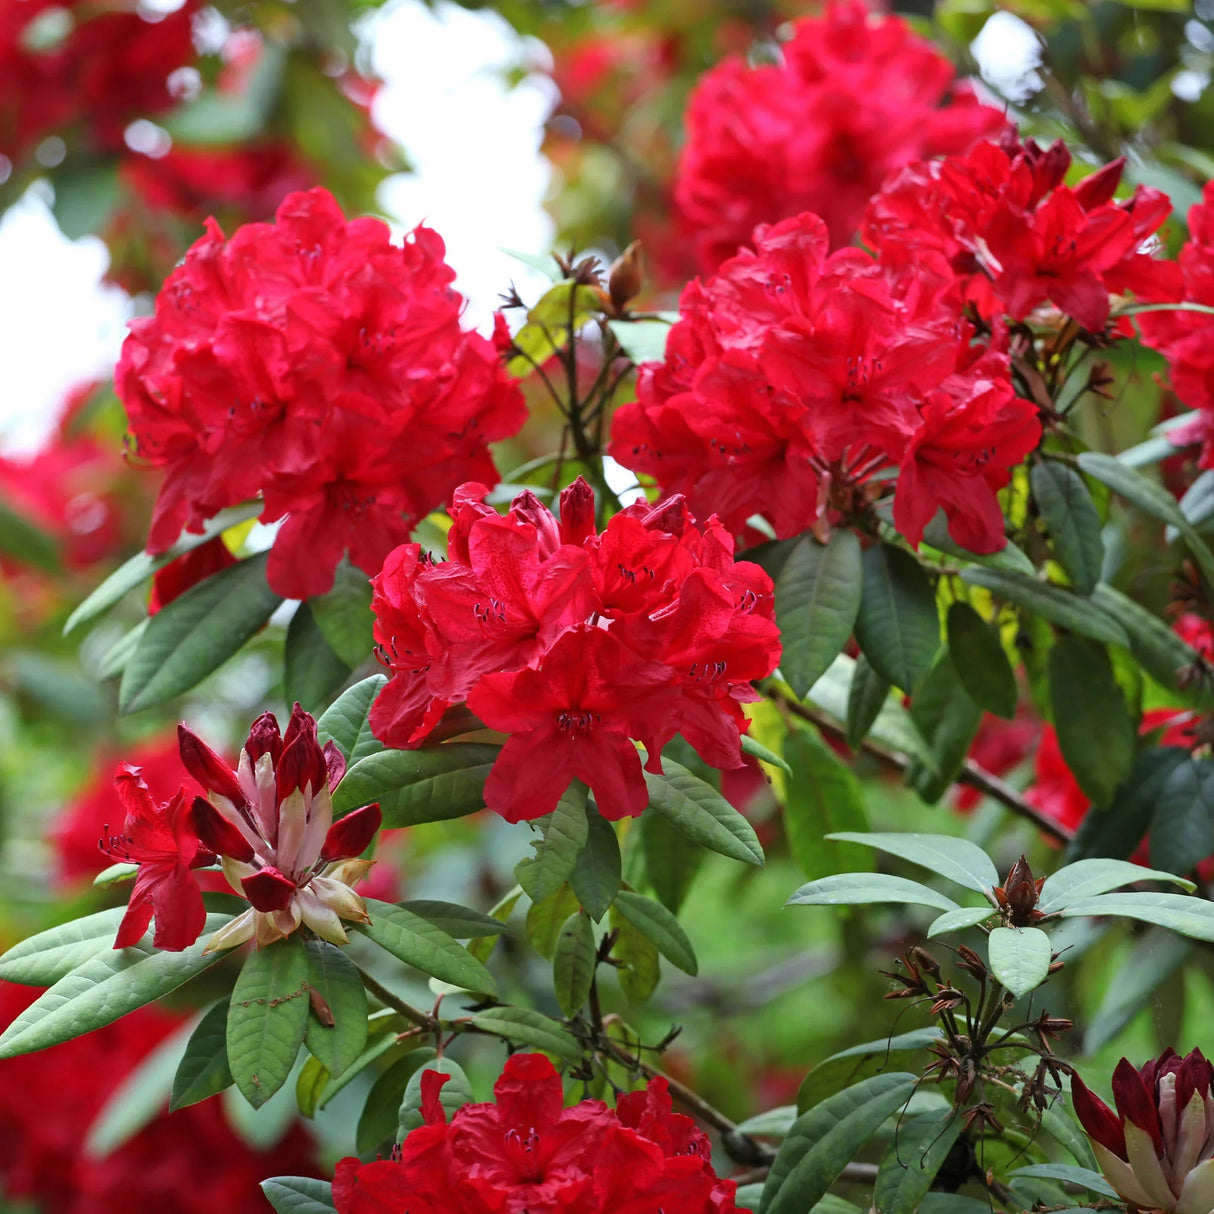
point(524, 1153)
point(575, 722)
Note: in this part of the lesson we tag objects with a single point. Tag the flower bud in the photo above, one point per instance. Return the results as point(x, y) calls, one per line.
point(626, 276)
point(207, 767)
point(269, 890)
point(350, 836)
point(217, 834)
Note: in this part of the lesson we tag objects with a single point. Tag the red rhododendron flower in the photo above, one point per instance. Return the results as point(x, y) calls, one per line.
point(854, 98)
point(576, 644)
point(161, 840)
point(528, 1154)
point(794, 375)
point(317, 364)
point(1015, 235)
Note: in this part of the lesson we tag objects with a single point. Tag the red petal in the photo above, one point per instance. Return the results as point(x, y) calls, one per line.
point(138, 913)
point(351, 835)
point(335, 763)
point(433, 1112)
point(1099, 188)
point(1135, 1103)
point(217, 833)
point(268, 890)
point(1100, 1122)
point(207, 767)
point(180, 914)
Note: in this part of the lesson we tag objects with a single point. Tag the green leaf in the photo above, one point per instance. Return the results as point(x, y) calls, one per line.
point(854, 889)
point(1069, 1174)
point(671, 859)
point(866, 697)
point(640, 970)
point(195, 634)
point(936, 535)
point(953, 921)
point(299, 1195)
point(849, 1066)
point(644, 341)
point(420, 944)
point(1192, 917)
point(1068, 1135)
point(1154, 957)
point(104, 988)
point(116, 874)
point(562, 835)
point(1059, 606)
point(413, 786)
point(113, 661)
point(380, 1117)
point(759, 751)
point(912, 1160)
point(333, 978)
point(774, 1123)
point(817, 599)
point(141, 566)
point(701, 813)
point(343, 615)
point(956, 859)
point(1019, 957)
point(545, 918)
point(1197, 504)
point(573, 963)
point(43, 959)
point(524, 1026)
point(898, 625)
point(547, 328)
point(823, 1141)
point(267, 1018)
point(822, 795)
point(482, 946)
point(26, 543)
point(595, 878)
point(462, 922)
point(660, 927)
point(310, 1086)
point(1182, 824)
point(948, 721)
point(345, 721)
point(203, 1070)
point(980, 661)
point(312, 672)
point(1152, 499)
point(1087, 878)
point(1095, 732)
point(1071, 518)
point(453, 1095)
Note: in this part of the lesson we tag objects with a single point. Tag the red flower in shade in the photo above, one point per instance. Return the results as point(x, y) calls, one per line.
point(574, 643)
point(1157, 1150)
point(161, 840)
point(854, 98)
point(195, 566)
point(315, 363)
point(793, 376)
point(271, 822)
point(528, 1154)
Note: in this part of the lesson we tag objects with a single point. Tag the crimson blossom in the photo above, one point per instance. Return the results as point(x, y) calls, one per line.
point(853, 98)
point(794, 375)
point(528, 1154)
point(314, 362)
point(574, 643)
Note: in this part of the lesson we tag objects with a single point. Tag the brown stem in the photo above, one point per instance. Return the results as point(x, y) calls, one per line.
point(396, 1003)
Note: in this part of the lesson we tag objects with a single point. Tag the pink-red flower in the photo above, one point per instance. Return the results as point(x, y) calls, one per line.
point(528, 1154)
point(317, 364)
point(574, 643)
point(1157, 1149)
point(853, 98)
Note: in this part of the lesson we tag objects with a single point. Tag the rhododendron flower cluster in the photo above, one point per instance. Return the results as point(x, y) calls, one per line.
point(1016, 236)
point(574, 643)
point(313, 362)
point(795, 374)
point(527, 1152)
point(853, 98)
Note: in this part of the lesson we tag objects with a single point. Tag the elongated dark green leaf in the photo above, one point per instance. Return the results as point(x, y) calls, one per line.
point(774, 1123)
point(640, 971)
point(344, 722)
point(1154, 957)
point(113, 661)
point(453, 1095)
point(823, 1141)
point(1019, 957)
point(1095, 732)
point(299, 1195)
point(981, 662)
point(1071, 518)
point(312, 671)
point(957, 859)
point(562, 835)
point(1084, 1177)
point(1009, 556)
point(1087, 878)
point(545, 918)
point(817, 597)
point(595, 878)
point(425, 947)
point(267, 1018)
point(141, 566)
point(671, 859)
point(414, 786)
point(343, 615)
point(913, 1159)
point(103, 988)
point(195, 634)
point(759, 751)
point(855, 889)
point(203, 1070)
point(333, 979)
point(1192, 917)
point(43, 959)
point(1182, 824)
point(573, 963)
point(948, 720)
point(702, 814)
point(865, 699)
point(849, 1066)
point(898, 625)
point(527, 1027)
point(462, 922)
point(660, 927)
point(1053, 603)
point(822, 795)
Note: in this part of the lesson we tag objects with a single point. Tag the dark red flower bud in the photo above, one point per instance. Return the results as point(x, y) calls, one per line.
point(302, 761)
point(1099, 188)
point(268, 890)
point(1100, 1122)
point(1020, 893)
point(350, 836)
point(215, 832)
point(264, 738)
point(670, 515)
point(577, 513)
point(207, 767)
point(1136, 1102)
